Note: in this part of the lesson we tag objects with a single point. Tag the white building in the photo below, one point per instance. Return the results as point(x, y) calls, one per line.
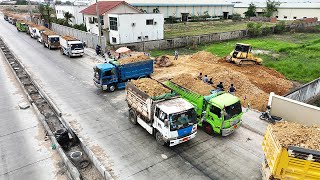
point(105, 8)
point(74, 10)
point(82, 2)
point(286, 11)
point(184, 9)
point(128, 28)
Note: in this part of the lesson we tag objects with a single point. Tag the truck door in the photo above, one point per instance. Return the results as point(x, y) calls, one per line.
point(108, 77)
point(161, 126)
point(214, 114)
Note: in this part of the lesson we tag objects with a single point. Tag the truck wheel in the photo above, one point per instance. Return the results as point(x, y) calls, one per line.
point(111, 87)
point(207, 128)
point(159, 139)
point(132, 117)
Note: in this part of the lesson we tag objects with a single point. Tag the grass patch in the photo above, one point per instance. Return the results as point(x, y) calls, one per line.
point(198, 28)
point(298, 54)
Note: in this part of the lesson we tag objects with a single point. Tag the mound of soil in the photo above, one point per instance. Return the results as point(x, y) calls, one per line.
point(253, 83)
point(293, 134)
point(131, 59)
point(150, 87)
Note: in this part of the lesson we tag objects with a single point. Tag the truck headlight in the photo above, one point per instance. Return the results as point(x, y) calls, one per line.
point(194, 128)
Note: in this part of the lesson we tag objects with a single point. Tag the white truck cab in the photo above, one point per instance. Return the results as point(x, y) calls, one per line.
point(71, 46)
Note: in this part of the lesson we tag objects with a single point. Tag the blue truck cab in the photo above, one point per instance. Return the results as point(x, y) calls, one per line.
point(113, 75)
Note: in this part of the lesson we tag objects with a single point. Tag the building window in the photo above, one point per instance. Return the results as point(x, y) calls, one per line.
point(277, 16)
point(139, 37)
point(101, 20)
point(113, 21)
point(91, 20)
point(146, 37)
point(149, 22)
point(285, 17)
point(114, 40)
point(294, 17)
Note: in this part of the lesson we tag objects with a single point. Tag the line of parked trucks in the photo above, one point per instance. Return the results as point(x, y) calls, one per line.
point(173, 117)
point(68, 45)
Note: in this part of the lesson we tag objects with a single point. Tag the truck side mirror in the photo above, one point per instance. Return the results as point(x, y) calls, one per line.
point(166, 123)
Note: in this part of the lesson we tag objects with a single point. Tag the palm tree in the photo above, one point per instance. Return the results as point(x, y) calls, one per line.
point(67, 17)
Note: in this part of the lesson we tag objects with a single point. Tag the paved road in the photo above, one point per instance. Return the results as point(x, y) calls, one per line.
point(24, 154)
point(128, 151)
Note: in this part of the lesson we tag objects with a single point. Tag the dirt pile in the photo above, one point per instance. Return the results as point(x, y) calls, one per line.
point(293, 134)
point(150, 87)
point(163, 61)
point(253, 83)
point(131, 59)
point(203, 56)
point(192, 83)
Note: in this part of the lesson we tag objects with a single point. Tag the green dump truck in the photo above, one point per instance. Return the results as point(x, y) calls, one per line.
point(21, 25)
point(218, 113)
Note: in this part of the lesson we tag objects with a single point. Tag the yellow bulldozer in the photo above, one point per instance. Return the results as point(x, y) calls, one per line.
point(242, 55)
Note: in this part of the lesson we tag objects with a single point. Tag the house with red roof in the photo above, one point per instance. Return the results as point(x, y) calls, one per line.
point(105, 8)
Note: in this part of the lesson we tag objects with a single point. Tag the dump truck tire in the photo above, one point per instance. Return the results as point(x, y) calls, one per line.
point(132, 117)
point(159, 139)
point(111, 88)
point(207, 128)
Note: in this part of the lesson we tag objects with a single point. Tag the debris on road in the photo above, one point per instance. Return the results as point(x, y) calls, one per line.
point(24, 105)
point(293, 134)
point(150, 87)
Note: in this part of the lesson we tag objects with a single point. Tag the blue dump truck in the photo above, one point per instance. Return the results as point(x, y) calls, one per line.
point(114, 75)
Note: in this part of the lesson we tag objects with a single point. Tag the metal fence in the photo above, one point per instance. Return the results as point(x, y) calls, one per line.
point(91, 39)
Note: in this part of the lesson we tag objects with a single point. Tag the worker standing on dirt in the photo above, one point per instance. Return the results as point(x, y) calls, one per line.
point(232, 90)
point(205, 79)
point(176, 54)
point(200, 76)
point(210, 81)
point(220, 86)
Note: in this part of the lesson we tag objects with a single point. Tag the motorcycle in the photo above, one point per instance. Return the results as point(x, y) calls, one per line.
point(99, 51)
point(266, 116)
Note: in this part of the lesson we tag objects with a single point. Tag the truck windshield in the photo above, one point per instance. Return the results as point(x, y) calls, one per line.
point(54, 39)
point(182, 119)
point(76, 46)
point(233, 110)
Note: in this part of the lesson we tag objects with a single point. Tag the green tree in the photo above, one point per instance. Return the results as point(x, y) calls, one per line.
point(251, 12)
point(21, 2)
point(68, 3)
point(58, 2)
point(67, 16)
point(254, 29)
point(46, 11)
point(272, 7)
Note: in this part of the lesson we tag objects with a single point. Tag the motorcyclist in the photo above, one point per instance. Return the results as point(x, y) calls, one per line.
point(98, 49)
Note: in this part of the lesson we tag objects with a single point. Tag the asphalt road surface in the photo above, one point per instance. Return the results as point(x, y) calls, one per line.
point(128, 151)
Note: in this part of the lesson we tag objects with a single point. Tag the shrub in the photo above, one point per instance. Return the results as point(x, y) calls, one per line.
point(280, 27)
point(254, 29)
point(236, 17)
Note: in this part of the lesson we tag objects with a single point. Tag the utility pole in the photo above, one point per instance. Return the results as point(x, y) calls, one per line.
point(30, 10)
point(99, 23)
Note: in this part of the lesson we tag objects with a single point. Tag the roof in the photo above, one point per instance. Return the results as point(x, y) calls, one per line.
point(155, 3)
point(104, 6)
point(105, 66)
point(243, 44)
point(282, 5)
point(174, 105)
point(223, 100)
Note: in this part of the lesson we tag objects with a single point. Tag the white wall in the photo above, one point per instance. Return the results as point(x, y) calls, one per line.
point(174, 10)
point(127, 33)
point(74, 10)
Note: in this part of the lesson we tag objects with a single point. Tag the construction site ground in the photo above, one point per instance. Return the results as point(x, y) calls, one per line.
point(253, 82)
